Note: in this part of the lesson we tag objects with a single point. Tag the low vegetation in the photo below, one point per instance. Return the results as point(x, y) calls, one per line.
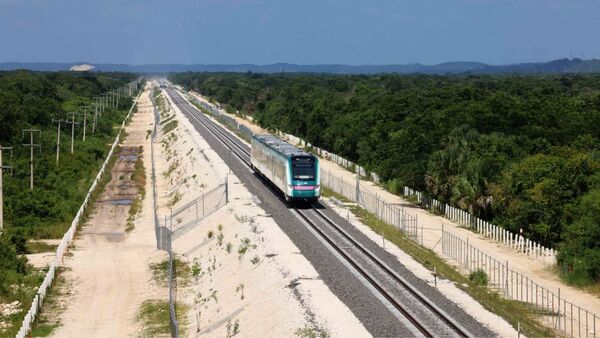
point(160, 272)
point(153, 316)
point(139, 179)
point(54, 304)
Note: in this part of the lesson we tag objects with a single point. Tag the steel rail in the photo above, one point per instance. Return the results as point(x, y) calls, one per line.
point(458, 328)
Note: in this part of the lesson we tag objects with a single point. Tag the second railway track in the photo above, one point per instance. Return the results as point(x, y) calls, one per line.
point(425, 317)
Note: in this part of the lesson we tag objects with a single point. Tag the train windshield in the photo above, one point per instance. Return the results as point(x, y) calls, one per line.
point(303, 168)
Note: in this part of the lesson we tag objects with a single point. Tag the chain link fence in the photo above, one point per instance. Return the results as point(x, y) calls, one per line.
point(389, 213)
point(557, 312)
point(178, 222)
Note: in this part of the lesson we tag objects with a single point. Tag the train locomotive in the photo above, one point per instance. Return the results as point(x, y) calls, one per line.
point(291, 170)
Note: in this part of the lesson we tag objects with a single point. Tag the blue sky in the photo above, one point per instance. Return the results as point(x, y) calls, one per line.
point(304, 32)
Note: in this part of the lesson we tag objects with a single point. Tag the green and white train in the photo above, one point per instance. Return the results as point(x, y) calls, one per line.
point(293, 171)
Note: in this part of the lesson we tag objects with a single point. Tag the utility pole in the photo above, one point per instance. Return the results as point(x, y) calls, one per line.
point(102, 98)
point(31, 145)
point(73, 123)
point(84, 119)
point(1, 191)
point(59, 121)
point(95, 117)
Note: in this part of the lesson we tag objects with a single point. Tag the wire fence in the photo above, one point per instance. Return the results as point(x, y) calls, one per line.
point(42, 291)
point(514, 241)
point(389, 213)
point(557, 312)
point(179, 222)
point(166, 232)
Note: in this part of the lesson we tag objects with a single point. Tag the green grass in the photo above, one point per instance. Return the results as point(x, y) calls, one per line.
point(513, 312)
point(47, 320)
point(139, 179)
point(170, 126)
point(311, 332)
point(330, 193)
point(153, 316)
point(39, 247)
point(160, 273)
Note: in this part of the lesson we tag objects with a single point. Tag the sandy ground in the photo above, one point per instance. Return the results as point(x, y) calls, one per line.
point(109, 267)
point(261, 285)
point(541, 273)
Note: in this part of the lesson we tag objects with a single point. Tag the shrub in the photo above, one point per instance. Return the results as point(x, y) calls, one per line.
point(479, 277)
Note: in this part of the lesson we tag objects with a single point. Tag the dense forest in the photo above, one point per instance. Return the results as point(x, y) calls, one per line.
point(521, 151)
point(32, 100)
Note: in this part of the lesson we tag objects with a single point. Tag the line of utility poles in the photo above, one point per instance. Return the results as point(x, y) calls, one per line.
point(100, 103)
point(31, 146)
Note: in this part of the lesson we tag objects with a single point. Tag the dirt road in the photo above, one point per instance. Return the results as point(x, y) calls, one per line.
point(109, 270)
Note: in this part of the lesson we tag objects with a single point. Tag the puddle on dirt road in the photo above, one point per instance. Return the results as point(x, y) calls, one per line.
point(115, 236)
point(110, 236)
point(122, 201)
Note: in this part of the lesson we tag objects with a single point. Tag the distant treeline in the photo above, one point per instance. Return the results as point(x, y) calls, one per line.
point(521, 151)
point(30, 101)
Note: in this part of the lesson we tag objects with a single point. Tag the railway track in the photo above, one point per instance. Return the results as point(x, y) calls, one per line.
point(431, 321)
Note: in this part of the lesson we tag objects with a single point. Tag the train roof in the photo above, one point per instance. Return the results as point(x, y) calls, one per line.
point(281, 146)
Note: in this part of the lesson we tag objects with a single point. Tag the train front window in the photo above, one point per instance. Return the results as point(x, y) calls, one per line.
point(303, 168)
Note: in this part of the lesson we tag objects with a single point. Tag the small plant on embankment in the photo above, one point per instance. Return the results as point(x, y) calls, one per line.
point(139, 179)
point(478, 277)
point(160, 272)
point(153, 315)
point(312, 332)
